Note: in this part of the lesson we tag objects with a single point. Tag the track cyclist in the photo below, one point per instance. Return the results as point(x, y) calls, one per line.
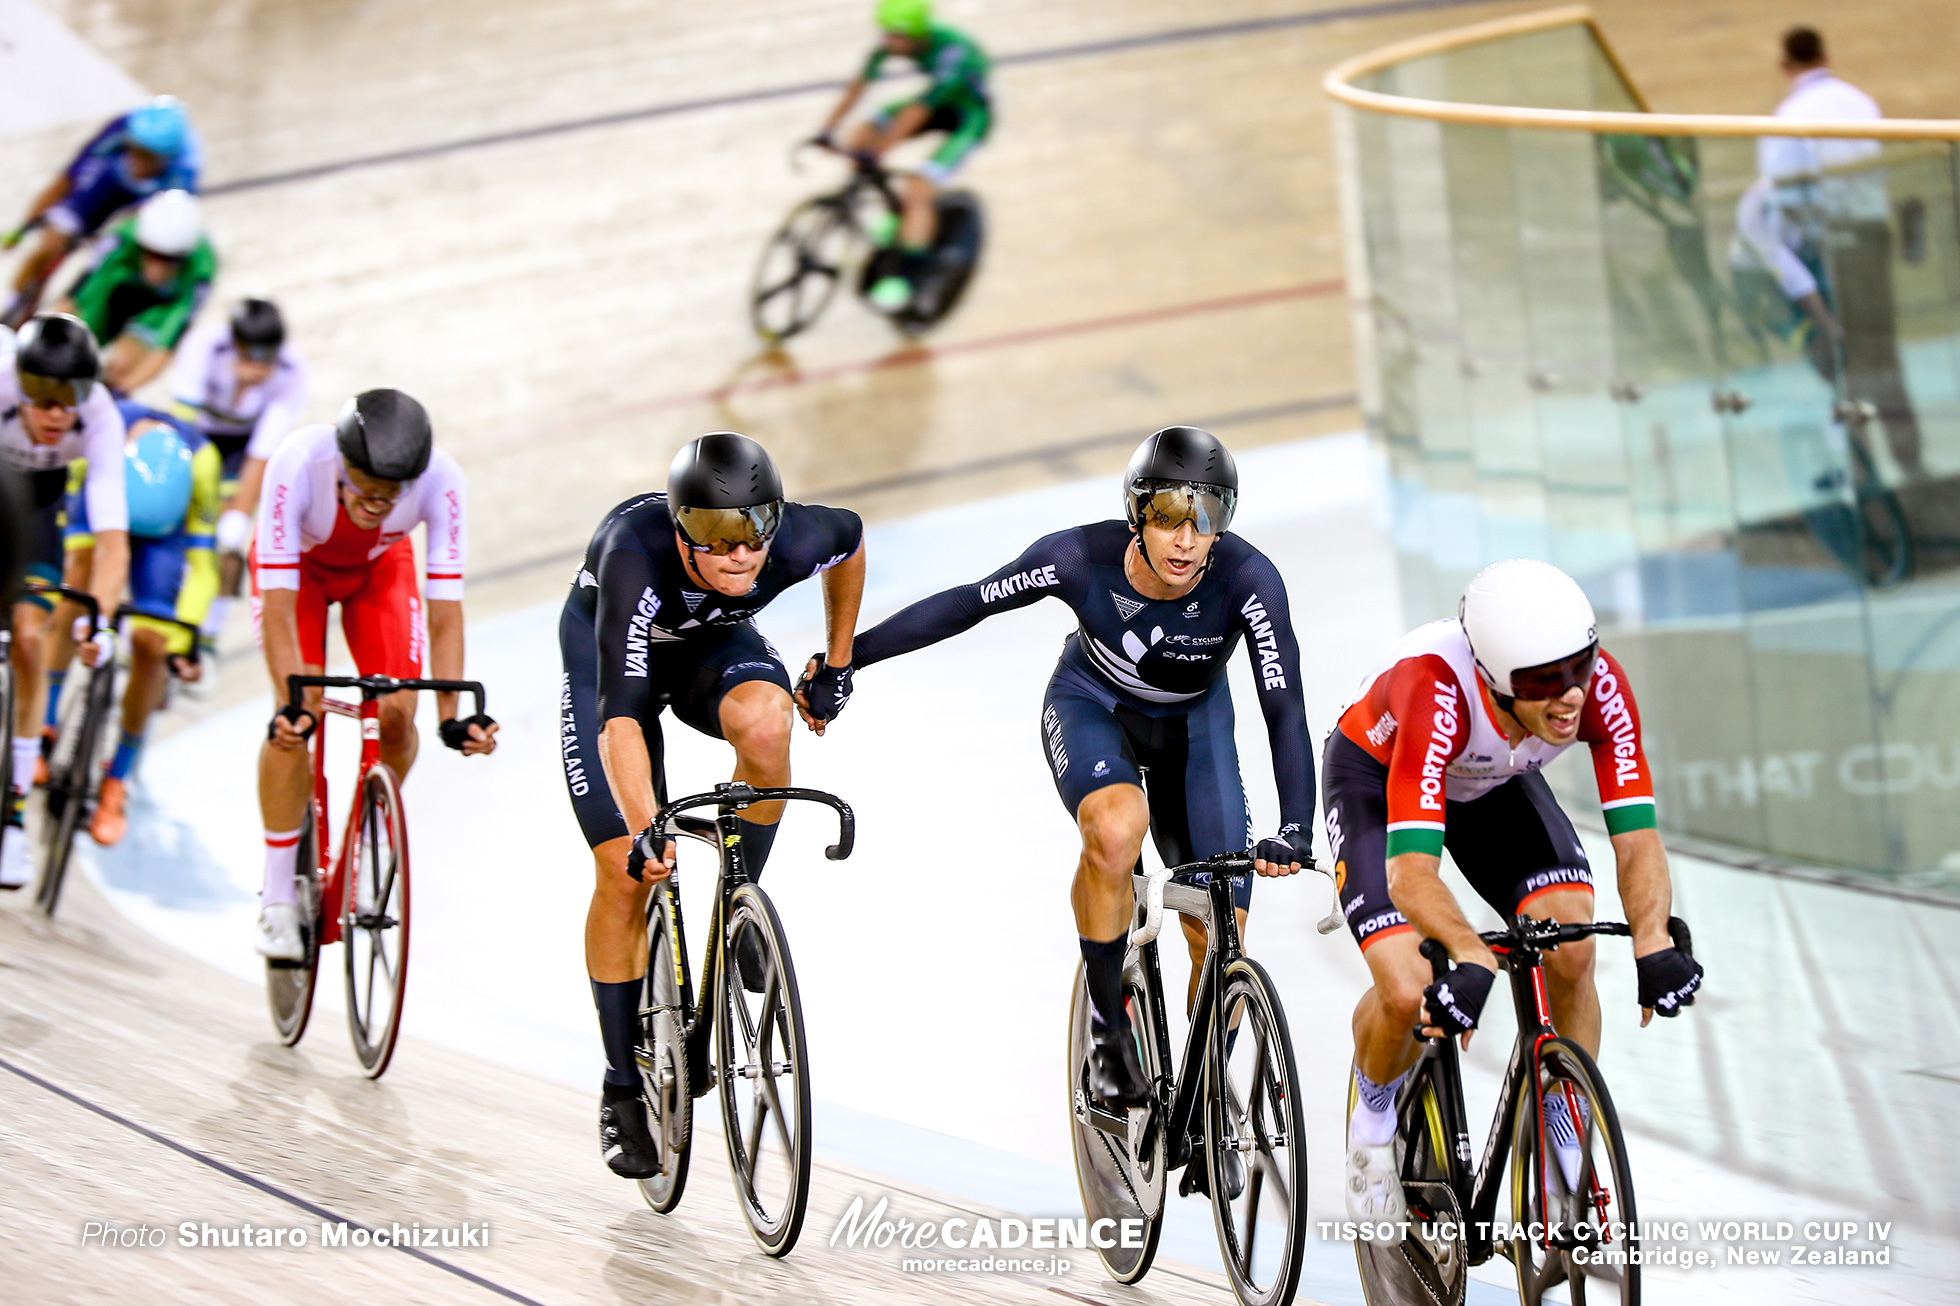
point(955, 103)
point(661, 615)
point(1443, 750)
point(341, 500)
point(52, 411)
point(1163, 599)
point(151, 148)
point(243, 385)
point(140, 298)
point(170, 474)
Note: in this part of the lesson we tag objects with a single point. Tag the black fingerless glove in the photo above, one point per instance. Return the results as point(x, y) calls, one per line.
point(1668, 980)
point(648, 846)
point(1457, 1000)
point(1286, 848)
point(826, 690)
point(292, 714)
point(457, 733)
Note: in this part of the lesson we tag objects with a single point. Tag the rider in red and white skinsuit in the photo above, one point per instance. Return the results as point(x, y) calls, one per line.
point(334, 527)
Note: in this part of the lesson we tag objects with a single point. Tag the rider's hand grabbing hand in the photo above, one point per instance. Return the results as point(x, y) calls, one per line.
point(1283, 854)
point(643, 865)
point(472, 736)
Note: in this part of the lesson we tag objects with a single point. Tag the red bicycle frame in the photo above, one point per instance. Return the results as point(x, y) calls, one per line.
point(332, 869)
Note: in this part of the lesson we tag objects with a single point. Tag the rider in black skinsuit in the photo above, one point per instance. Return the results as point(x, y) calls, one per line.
point(1163, 601)
point(660, 615)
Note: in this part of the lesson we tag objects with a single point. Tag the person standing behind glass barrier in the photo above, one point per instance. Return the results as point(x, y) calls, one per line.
point(1818, 186)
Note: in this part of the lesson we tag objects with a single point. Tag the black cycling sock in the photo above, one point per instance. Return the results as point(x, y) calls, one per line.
point(1103, 967)
point(757, 840)
point(619, 1029)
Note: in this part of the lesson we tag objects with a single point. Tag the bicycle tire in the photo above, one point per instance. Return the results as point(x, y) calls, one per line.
point(662, 1058)
point(289, 985)
point(71, 781)
point(774, 1193)
point(7, 754)
point(374, 921)
point(1423, 1269)
point(817, 240)
point(1113, 1183)
point(1257, 1117)
point(1561, 1062)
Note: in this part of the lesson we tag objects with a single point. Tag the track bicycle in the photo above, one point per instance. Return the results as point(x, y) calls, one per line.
point(1572, 1217)
point(826, 240)
point(359, 897)
point(749, 1000)
point(1230, 1117)
point(74, 767)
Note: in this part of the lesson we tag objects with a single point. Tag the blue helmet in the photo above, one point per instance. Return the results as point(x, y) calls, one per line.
point(157, 479)
point(159, 126)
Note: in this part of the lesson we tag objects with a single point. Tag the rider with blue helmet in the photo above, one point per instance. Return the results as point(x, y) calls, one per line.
point(151, 148)
point(171, 478)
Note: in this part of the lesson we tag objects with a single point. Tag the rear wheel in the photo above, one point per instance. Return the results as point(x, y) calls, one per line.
point(1430, 1267)
point(801, 267)
point(7, 754)
point(662, 1057)
point(1570, 1171)
point(72, 781)
point(764, 1073)
point(1256, 1142)
point(289, 984)
point(374, 921)
point(1121, 1155)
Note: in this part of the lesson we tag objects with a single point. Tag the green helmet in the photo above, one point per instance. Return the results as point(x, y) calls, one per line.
point(905, 17)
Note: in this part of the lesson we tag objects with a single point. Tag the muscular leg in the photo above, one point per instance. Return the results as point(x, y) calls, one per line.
point(148, 675)
point(1194, 942)
point(1113, 821)
point(1391, 1008)
point(285, 774)
point(755, 717)
point(399, 740)
point(1569, 986)
point(616, 922)
point(30, 626)
point(919, 224)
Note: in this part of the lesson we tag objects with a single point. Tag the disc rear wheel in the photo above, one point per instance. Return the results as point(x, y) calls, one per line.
point(1121, 1154)
point(289, 984)
point(374, 921)
point(1430, 1267)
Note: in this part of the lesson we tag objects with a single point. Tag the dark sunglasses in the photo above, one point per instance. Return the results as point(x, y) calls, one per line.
point(1551, 679)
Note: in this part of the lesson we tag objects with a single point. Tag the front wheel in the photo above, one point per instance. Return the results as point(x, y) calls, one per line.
point(72, 781)
point(1572, 1186)
point(374, 921)
point(1121, 1154)
point(662, 1057)
point(1256, 1142)
point(801, 267)
point(289, 984)
point(764, 1072)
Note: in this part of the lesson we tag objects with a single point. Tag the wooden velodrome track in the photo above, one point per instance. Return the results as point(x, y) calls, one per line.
point(541, 219)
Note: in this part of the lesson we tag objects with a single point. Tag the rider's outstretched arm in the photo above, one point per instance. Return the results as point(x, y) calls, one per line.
point(1053, 564)
point(1259, 596)
point(843, 592)
point(845, 103)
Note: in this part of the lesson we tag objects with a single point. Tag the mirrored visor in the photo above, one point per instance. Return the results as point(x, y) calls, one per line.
point(257, 353)
point(719, 530)
point(1171, 504)
point(55, 391)
point(1552, 679)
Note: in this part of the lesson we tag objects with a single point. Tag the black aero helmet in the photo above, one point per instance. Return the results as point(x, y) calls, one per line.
point(257, 329)
point(723, 490)
point(386, 434)
point(56, 360)
point(1182, 471)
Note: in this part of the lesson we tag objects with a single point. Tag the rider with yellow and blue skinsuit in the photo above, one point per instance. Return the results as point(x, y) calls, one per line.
point(172, 477)
point(955, 102)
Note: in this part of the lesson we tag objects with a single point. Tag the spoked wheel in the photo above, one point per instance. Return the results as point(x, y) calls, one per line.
point(72, 780)
point(289, 984)
point(1573, 1174)
point(1430, 1267)
point(764, 1073)
point(662, 1057)
point(1121, 1156)
point(801, 267)
point(1256, 1144)
point(374, 921)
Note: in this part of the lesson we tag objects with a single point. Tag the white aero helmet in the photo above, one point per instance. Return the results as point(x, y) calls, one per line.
point(1531, 629)
point(168, 223)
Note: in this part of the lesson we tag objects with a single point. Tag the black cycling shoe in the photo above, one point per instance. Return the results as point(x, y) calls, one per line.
point(1198, 1180)
point(624, 1139)
point(1115, 1073)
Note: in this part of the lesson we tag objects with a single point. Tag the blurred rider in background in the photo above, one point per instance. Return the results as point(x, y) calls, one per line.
point(954, 102)
point(140, 298)
point(151, 148)
point(243, 386)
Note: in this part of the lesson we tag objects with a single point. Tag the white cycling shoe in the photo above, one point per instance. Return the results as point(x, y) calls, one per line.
point(1374, 1188)
point(16, 862)
point(279, 933)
